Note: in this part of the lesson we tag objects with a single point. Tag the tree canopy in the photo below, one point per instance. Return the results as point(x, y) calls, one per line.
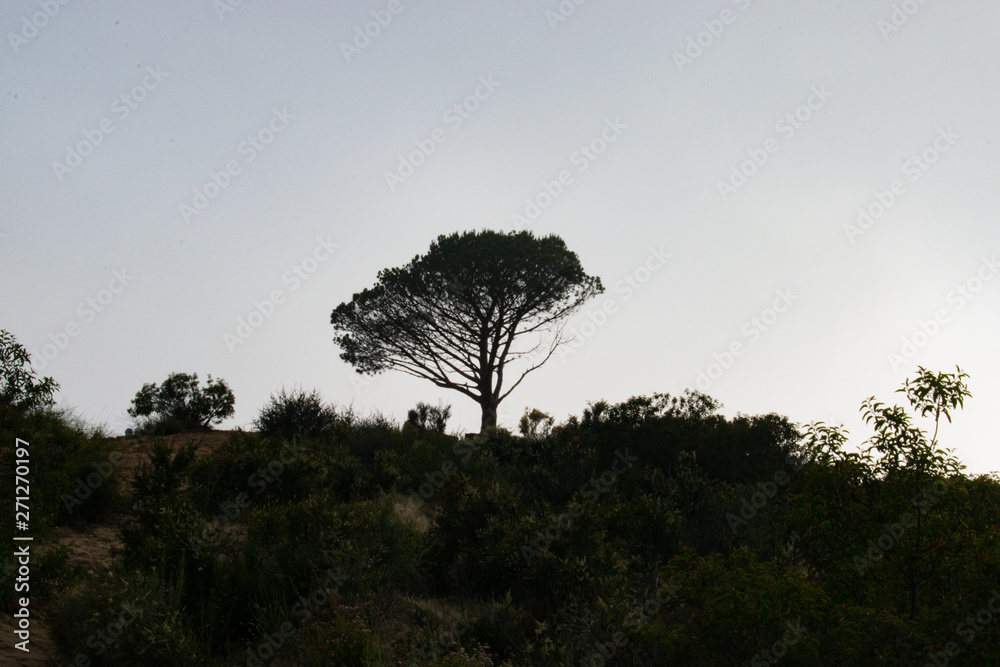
point(461, 313)
point(181, 398)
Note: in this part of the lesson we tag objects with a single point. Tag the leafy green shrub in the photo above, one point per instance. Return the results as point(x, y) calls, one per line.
point(53, 572)
point(381, 553)
point(374, 433)
point(426, 455)
point(73, 470)
point(161, 473)
point(296, 414)
point(476, 536)
point(479, 657)
point(337, 635)
point(64, 484)
point(181, 398)
point(161, 527)
point(387, 470)
point(165, 426)
point(128, 618)
point(730, 609)
point(20, 386)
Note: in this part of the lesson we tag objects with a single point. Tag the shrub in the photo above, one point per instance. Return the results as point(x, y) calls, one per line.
point(128, 618)
point(337, 635)
point(429, 417)
point(74, 470)
point(387, 470)
point(181, 398)
point(295, 413)
point(535, 424)
point(477, 658)
point(54, 573)
point(161, 527)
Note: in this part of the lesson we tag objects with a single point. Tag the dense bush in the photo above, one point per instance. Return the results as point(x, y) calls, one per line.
point(296, 414)
point(127, 618)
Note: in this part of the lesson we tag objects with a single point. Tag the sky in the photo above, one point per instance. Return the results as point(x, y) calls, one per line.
point(791, 206)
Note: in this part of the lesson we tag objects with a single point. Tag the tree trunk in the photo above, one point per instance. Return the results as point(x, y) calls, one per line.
point(489, 414)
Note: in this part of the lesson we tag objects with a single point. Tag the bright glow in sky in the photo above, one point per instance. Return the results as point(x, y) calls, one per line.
point(821, 175)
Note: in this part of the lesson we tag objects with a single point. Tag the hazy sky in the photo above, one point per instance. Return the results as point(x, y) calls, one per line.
point(812, 185)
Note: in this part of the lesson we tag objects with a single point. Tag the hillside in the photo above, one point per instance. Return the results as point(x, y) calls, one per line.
point(649, 532)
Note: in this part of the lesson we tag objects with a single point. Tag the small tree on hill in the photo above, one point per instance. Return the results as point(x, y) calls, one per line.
point(181, 398)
